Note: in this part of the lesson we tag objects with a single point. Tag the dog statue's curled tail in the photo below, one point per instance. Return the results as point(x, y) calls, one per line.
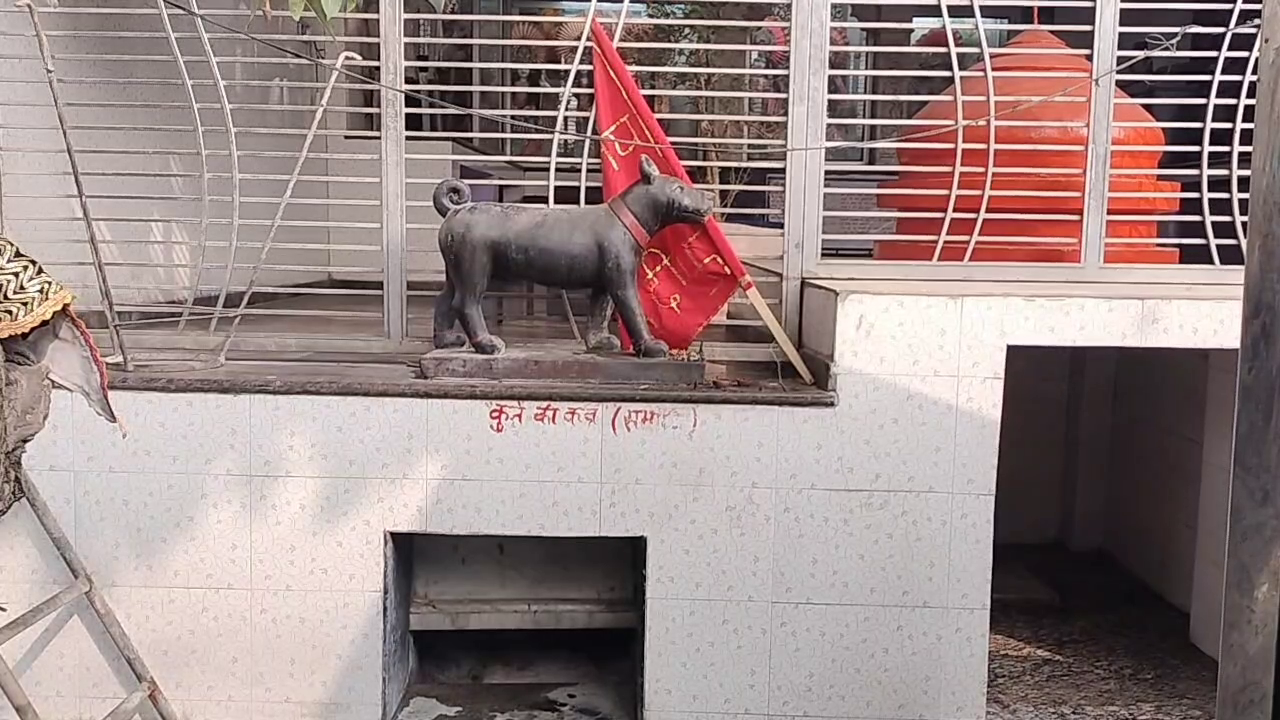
point(450, 195)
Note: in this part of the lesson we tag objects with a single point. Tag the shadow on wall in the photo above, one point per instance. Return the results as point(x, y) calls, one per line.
point(252, 529)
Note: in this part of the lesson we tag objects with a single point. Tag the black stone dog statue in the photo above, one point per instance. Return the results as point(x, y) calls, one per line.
point(596, 248)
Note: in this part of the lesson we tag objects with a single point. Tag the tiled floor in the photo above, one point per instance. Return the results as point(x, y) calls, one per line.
point(1110, 649)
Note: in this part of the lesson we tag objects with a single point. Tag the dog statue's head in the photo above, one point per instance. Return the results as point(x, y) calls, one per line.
point(667, 199)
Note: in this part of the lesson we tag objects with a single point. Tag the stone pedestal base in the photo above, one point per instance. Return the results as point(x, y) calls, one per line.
point(541, 364)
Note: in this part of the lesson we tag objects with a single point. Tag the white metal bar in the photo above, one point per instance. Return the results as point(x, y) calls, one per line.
point(201, 149)
point(1102, 94)
point(104, 285)
point(391, 19)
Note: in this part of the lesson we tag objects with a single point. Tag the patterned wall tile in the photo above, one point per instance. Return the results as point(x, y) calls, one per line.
point(152, 530)
point(898, 335)
point(969, 559)
point(210, 710)
point(1191, 323)
point(991, 324)
point(963, 679)
point(53, 448)
point(27, 556)
point(734, 445)
point(195, 641)
point(551, 442)
point(517, 508)
point(702, 716)
point(706, 656)
point(984, 341)
point(49, 707)
point(316, 647)
point(167, 432)
point(313, 711)
point(861, 548)
point(815, 448)
point(704, 543)
point(899, 434)
point(327, 533)
point(858, 661)
point(339, 436)
point(43, 657)
point(979, 407)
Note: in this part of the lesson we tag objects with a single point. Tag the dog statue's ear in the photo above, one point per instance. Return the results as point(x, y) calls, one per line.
point(648, 170)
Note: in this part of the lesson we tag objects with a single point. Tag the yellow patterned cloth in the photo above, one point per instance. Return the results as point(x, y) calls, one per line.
point(29, 296)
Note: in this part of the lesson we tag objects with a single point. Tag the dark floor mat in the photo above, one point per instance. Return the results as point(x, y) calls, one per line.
point(1110, 649)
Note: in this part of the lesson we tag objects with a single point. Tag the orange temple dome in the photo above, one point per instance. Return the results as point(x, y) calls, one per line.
point(1039, 157)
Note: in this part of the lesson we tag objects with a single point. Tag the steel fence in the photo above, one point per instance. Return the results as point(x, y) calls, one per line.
point(832, 131)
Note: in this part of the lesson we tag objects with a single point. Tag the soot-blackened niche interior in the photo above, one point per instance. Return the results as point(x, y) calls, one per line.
point(484, 627)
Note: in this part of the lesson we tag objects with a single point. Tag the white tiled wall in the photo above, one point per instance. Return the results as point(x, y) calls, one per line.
point(803, 563)
point(1215, 494)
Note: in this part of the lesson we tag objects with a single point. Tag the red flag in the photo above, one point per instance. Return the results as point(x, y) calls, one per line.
point(687, 272)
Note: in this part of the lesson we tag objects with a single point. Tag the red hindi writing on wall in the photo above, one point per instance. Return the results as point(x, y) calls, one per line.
point(502, 416)
point(687, 273)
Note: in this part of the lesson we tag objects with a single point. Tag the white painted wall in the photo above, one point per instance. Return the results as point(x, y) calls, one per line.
point(1154, 476)
point(1215, 492)
point(788, 549)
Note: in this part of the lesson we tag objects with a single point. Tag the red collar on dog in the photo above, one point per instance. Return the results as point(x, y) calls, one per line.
point(629, 221)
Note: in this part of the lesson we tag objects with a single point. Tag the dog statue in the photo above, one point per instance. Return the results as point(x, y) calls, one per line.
point(596, 248)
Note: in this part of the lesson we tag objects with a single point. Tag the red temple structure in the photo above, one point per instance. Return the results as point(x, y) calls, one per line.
point(1052, 135)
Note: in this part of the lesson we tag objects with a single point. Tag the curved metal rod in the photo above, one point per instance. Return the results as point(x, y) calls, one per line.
point(232, 147)
point(1210, 106)
point(95, 247)
point(949, 215)
point(198, 268)
point(284, 198)
point(1236, 131)
point(591, 116)
point(555, 147)
point(989, 172)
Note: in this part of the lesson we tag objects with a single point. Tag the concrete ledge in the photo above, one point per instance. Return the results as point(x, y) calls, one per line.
point(399, 381)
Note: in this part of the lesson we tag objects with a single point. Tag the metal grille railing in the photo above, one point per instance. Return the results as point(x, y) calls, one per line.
point(827, 127)
point(169, 257)
point(1103, 156)
point(353, 267)
point(1200, 95)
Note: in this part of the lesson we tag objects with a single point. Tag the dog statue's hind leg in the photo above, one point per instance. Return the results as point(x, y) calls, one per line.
point(599, 339)
point(467, 303)
point(443, 334)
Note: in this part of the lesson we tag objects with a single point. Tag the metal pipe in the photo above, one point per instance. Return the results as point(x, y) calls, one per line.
point(555, 147)
point(43, 609)
point(110, 623)
point(95, 248)
point(988, 174)
point(947, 29)
point(232, 148)
point(16, 696)
point(198, 125)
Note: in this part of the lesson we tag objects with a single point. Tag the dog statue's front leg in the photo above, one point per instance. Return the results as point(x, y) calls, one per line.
point(627, 298)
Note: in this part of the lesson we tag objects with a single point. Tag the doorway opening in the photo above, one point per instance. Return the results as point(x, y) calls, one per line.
point(521, 628)
point(1110, 533)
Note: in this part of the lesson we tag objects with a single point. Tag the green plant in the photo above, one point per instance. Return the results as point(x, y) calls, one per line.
point(324, 10)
